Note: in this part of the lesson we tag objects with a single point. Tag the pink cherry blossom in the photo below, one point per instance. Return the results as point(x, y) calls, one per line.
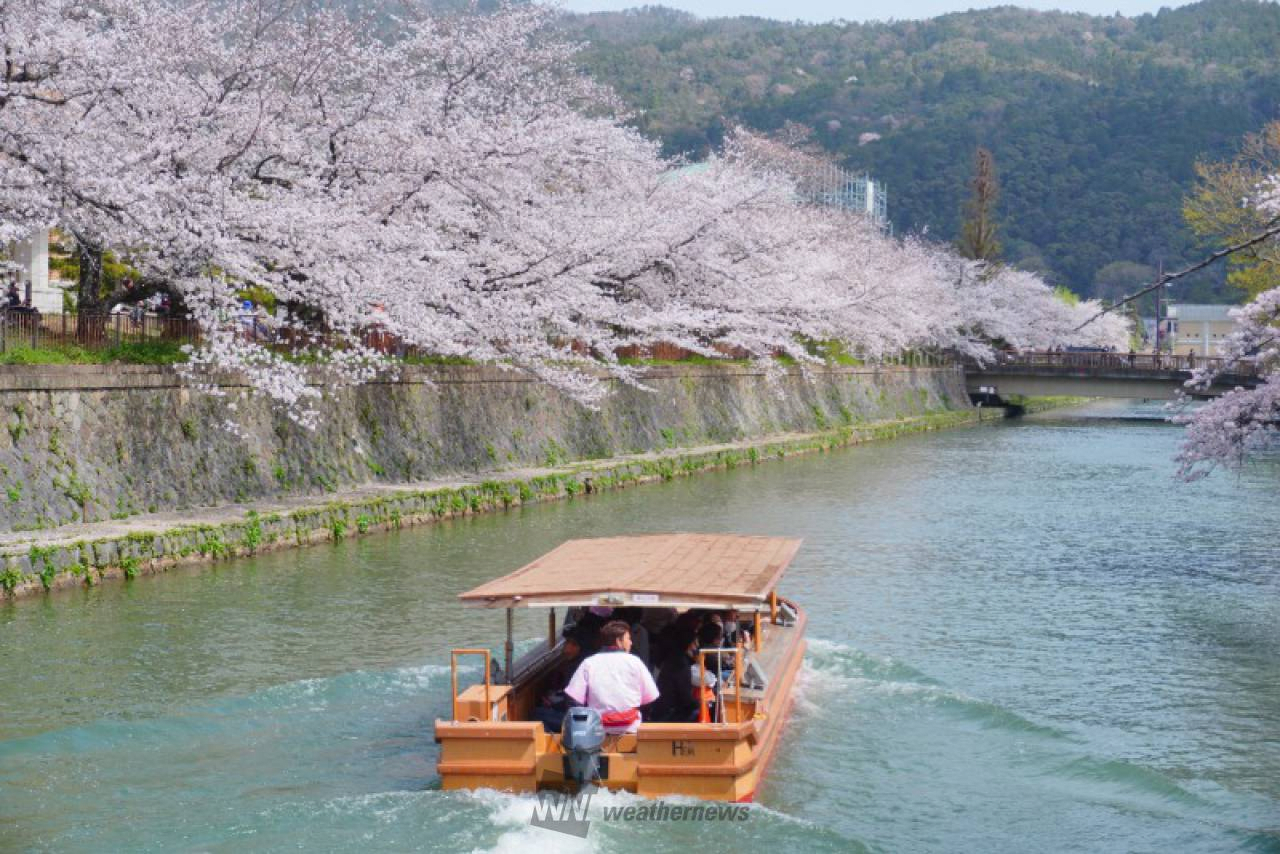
point(459, 185)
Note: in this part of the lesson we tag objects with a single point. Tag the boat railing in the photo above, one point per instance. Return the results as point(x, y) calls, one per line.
point(534, 663)
point(736, 651)
point(453, 679)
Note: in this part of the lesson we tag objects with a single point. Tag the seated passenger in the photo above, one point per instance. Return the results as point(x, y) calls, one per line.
point(570, 658)
point(677, 700)
point(571, 655)
point(734, 629)
point(657, 619)
point(552, 704)
point(614, 682)
point(711, 636)
point(585, 628)
point(639, 634)
point(671, 641)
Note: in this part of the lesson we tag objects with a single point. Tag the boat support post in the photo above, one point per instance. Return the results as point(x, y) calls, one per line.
point(737, 683)
point(510, 648)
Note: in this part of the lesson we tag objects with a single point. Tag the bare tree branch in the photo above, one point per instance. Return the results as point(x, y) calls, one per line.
point(1272, 230)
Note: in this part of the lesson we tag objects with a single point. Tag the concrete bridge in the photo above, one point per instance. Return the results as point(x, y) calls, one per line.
point(1148, 376)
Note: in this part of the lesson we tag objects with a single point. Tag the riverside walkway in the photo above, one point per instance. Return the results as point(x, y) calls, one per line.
point(1140, 375)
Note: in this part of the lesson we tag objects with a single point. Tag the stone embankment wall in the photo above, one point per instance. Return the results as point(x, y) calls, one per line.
point(92, 443)
point(439, 444)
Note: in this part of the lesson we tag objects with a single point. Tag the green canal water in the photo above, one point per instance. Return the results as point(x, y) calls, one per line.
point(1025, 637)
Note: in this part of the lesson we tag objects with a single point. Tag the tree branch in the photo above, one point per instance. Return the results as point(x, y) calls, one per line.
point(1272, 230)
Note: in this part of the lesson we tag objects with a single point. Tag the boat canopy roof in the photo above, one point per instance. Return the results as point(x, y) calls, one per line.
point(674, 570)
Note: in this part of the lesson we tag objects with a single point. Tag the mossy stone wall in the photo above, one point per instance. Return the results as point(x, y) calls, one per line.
point(28, 568)
point(94, 443)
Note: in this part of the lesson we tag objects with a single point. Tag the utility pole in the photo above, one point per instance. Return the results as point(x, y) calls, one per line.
point(1159, 302)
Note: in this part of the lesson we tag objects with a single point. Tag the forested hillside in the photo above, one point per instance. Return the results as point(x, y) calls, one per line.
point(1095, 122)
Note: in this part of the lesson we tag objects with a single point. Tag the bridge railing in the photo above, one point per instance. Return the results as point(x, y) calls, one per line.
point(1094, 361)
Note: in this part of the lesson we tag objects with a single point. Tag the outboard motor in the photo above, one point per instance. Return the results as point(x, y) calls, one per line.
point(582, 735)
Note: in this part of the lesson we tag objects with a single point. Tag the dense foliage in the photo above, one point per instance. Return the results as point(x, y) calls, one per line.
point(1095, 122)
point(1215, 212)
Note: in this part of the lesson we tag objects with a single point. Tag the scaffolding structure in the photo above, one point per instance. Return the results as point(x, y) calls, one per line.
point(839, 188)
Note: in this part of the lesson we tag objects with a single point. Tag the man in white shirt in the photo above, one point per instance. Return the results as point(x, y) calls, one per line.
point(613, 681)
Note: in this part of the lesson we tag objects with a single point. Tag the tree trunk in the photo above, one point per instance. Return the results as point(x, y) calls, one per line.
point(91, 320)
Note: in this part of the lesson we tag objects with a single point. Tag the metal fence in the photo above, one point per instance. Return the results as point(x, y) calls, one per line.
point(22, 329)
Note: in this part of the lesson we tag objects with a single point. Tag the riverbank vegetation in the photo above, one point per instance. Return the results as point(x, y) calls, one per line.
point(67, 353)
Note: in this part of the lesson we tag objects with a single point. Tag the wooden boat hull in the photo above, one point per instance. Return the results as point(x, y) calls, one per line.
point(720, 761)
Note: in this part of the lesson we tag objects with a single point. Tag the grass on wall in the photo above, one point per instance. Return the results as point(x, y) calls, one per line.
point(142, 353)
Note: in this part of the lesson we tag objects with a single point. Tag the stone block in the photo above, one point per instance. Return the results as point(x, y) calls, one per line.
point(105, 553)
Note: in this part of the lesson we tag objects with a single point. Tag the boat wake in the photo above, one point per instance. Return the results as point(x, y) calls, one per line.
point(510, 817)
point(834, 670)
point(320, 692)
point(864, 705)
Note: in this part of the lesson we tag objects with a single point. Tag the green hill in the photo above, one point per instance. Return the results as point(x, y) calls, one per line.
point(1095, 122)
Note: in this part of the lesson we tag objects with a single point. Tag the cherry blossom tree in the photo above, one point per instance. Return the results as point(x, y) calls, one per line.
point(168, 135)
point(1240, 422)
point(460, 186)
point(1020, 309)
point(834, 275)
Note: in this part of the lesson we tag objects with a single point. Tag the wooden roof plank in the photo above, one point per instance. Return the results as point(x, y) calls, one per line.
point(699, 567)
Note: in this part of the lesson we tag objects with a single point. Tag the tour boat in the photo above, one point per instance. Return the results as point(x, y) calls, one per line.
point(492, 742)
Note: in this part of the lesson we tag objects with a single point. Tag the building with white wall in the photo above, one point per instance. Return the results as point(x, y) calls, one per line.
point(1202, 328)
point(31, 259)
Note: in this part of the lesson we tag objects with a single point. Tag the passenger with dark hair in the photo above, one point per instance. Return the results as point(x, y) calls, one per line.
point(552, 703)
point(677, 702)
point(656, 621)
point(571, 655)
point(639, 634)
point(586, 629)
point(669, 642)
point(613, 682)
